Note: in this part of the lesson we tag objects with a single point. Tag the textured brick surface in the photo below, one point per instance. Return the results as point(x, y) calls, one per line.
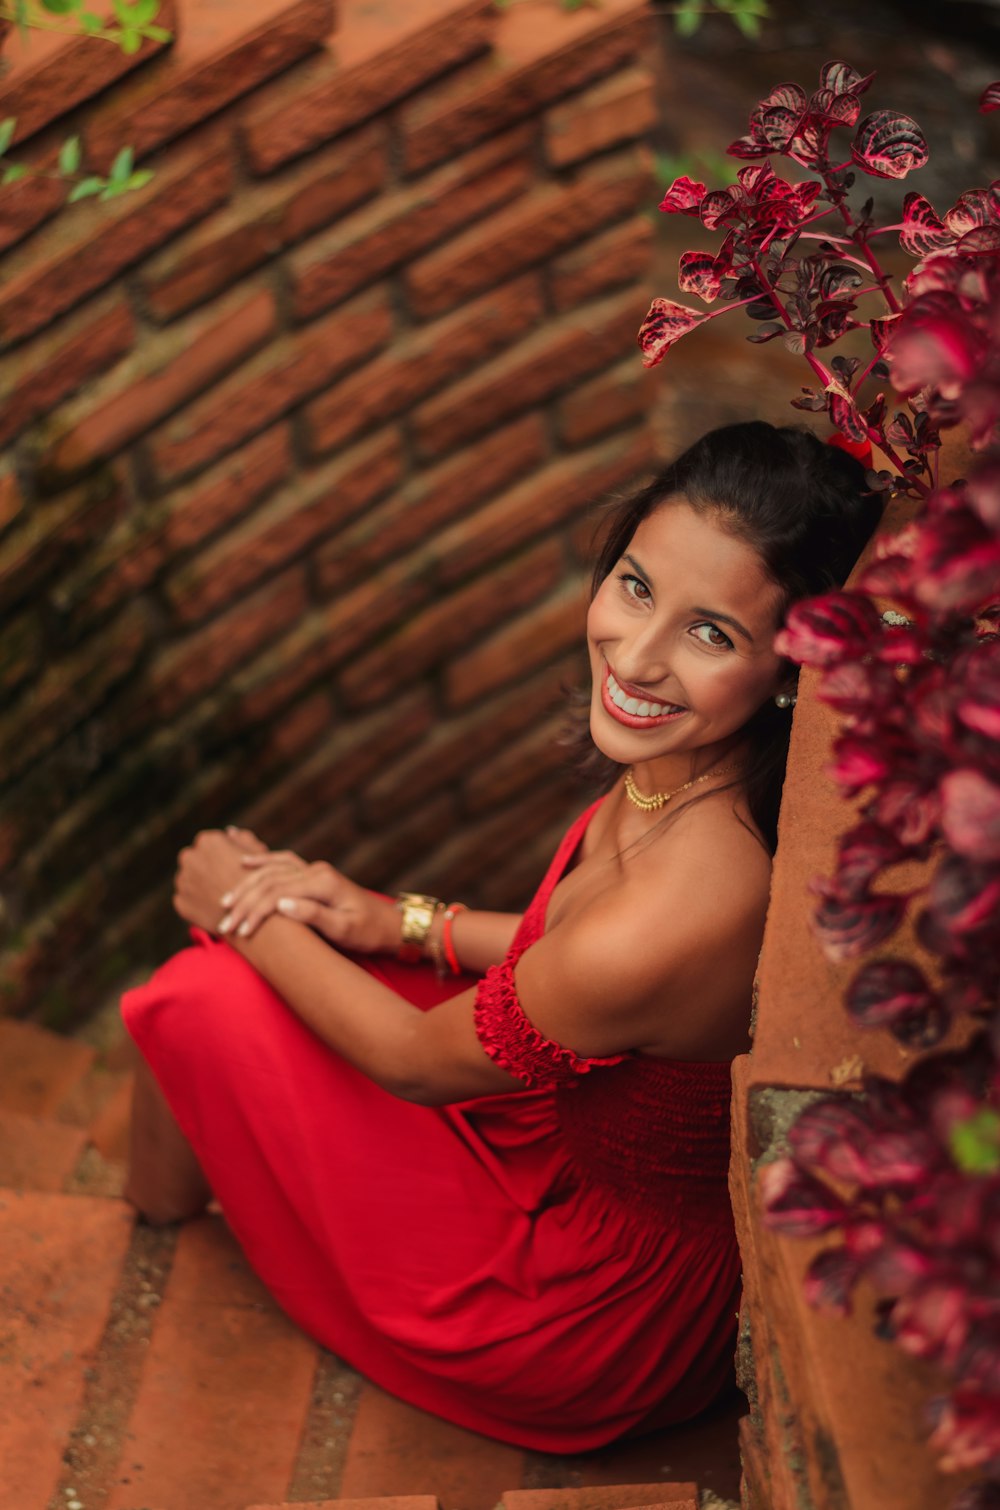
point(265, 219)
point(383, 53)
point(291, 522)
point(54, 533)
point(289, 371)
point(539, 56)
point(426, 1455)
point(31, 387)
point(528, 232)
point(37, 1073)
point(35, 1154)
point(226, 1375)
point(527, 641)
point(421, 363)
point(150, 389)
point(401, 224)
point(613, 260)
point(532, 372)
point(60, 1259)
point(220, 53)
point(450, 620)
point(615, 110)
point(613, 399)
point(46, 279)
point(47, 73)
point(609, 1497)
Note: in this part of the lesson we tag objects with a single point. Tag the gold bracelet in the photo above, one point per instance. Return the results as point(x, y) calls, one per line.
point(419, 912)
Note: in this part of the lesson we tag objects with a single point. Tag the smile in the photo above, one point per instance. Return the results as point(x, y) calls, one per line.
point(635, 712)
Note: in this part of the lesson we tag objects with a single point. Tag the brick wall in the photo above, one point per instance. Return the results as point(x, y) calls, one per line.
point(298, 440)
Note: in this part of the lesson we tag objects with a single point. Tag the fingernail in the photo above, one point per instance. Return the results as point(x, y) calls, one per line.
point(231, 828)
point(287, 904)
point(227, 900)
point(226, 924)
point(243, 929)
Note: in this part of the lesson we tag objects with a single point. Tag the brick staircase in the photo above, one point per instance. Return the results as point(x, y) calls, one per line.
point(149, 1370)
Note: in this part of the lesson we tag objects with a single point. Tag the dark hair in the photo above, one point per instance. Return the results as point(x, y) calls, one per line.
point(802, 505)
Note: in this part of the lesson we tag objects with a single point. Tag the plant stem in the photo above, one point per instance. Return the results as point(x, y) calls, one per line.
point(869, 256)
point(823, 373)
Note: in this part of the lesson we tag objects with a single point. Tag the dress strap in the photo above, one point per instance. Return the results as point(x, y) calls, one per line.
point(513, 1043)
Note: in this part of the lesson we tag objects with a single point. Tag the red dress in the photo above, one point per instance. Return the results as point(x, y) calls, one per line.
point(555, 1267)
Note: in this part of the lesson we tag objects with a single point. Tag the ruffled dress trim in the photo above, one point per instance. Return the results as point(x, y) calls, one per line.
point(513, 1043)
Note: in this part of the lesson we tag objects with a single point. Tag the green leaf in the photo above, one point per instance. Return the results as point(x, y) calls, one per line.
point(13, 172)
point(91, 23)
point(140, 178)
point(69, 155)
point(158, 34)
point(130, 41)
point(7, 129)
point(60, 7)
point(975, 1143)
point(121, 168)
point(144, 11)
point(84, 189)
point(687, 18)
point(748, 24)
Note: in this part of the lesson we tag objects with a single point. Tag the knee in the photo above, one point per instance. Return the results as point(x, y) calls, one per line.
point(189, 983)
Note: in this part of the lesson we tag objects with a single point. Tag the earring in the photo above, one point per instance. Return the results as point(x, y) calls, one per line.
point(786, 699)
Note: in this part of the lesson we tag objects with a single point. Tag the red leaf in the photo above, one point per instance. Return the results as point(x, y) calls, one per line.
point(747, 148)
point(848, 927)
point(830, 1279)
point(697, 274)
point(931, 1320)
point(970, 210)
point(796, 1204)
point(982, 242)
point(683, 197)
point(978, 702)
point(968, 1433)
point(829, 1137)
point(983, 492)
point(787, 96)
point(934, 345)
point(844, 415)
point(824, 631)
point(841, 78)
point(990, 98)
point(886, 992)
point(718, 206)
point(888, 145)
point(956, 563)
point(862, 853)
point(665, 323)
point(881, 330)
point(970, 814)
point(923, 229)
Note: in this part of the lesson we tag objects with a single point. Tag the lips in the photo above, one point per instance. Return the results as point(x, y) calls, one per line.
point(635, 712)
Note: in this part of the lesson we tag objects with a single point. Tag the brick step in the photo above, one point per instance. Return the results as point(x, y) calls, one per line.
point(39, 1070)
point(37, 1153)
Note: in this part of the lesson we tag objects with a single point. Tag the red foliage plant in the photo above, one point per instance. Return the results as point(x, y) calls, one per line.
point(907, 1175)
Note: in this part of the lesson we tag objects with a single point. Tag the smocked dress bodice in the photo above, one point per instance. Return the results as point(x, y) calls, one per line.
point(654, 1131)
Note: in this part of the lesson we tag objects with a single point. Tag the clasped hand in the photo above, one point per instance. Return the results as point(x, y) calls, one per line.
point(230, 883)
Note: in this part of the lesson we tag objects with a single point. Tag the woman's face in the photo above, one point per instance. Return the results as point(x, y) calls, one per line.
point(682, 633)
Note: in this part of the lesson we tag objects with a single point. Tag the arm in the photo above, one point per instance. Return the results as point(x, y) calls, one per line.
point(480, 939)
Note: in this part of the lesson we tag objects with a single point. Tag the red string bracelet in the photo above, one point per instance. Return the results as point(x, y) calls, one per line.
point(447, 943)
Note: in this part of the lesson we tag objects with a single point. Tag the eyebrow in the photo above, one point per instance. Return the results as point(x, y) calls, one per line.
point(709, 613)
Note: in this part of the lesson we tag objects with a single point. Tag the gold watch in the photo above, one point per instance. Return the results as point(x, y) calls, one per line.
point(419, 912)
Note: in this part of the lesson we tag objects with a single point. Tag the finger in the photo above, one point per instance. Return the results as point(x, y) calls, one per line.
point(310, 887)
point(244, 891)
point(246, 839)
point(255, 861)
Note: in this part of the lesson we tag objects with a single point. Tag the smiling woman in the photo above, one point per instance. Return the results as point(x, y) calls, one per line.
point(498, 1185)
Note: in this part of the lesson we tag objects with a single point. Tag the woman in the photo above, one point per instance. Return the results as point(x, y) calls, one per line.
point(510, 1208)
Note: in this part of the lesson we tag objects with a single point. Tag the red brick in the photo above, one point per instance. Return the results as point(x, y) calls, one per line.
point(519, 763)
point(377, 860)
point(264, 220)
point(30, 389)
point(47, 73)
point(456, 745)
point(609, 401)
point(69, 690)
point(427, 1455)
point(544, 500)
point(383, 53)
point(430, 499)
point(27, 204)
point(38, 1069)
point(60, 1262)
point(228, 490)
point(157, 383)
point(22, 648)
point(527, 232)
point(290, 523)
point(620, 256)
point(44, 280)
point(55, 532)
point(616, 110)
point(509, 887)
point(224, 1388)
point(607, 1497)
point(560, 354)
point(198, 663)
point(422, 362)
point(549, 630)
point(401, 224)
point(429, 638)
point(11, 502)
point(280, 378)
point(36, 1155)
point(540, 54)
point(385, 1502)
point(338, 767)
point(218, 55)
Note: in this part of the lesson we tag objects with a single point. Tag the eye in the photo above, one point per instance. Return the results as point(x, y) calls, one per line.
point(713, 636)
point(635, 587)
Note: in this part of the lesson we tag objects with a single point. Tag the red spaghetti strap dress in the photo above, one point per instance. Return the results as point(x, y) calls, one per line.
point(555, 1268)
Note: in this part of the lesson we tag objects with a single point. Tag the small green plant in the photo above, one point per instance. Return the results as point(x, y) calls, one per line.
point(687, 14)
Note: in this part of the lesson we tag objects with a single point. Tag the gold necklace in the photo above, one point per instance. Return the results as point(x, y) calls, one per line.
point(660, 799)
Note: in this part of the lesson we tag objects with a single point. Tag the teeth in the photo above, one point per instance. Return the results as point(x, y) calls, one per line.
point(634, 707)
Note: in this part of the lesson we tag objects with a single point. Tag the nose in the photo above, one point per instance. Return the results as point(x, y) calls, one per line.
point(642, 660)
